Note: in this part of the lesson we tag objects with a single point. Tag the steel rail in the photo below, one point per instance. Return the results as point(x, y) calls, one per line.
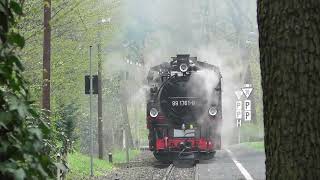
point(168, 172)
point(195, 172)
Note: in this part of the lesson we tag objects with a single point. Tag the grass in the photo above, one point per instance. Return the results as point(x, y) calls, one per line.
point(79, 164)
point(255, 145)
point(120, 156)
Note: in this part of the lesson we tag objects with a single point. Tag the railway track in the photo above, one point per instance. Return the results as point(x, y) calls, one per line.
point(173, 173)
point(168, 172)
point(147, 167)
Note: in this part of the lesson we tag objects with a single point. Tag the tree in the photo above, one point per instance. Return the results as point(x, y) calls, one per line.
point(290, 65)
point(22, 130)
point(73, 29)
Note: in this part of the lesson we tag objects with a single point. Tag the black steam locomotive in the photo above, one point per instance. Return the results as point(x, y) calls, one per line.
point(184, 112)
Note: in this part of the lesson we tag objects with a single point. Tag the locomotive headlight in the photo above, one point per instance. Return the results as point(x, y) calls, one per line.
point(153, 112)
point(183, 67)
point(212, 111)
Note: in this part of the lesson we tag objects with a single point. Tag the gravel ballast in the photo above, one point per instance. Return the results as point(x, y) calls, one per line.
point(145, 166)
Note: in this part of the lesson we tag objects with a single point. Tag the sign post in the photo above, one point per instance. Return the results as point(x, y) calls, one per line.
point(246, 114)
point(90, 119)
point(239, 134)
point(239, 113)
point(91, 87)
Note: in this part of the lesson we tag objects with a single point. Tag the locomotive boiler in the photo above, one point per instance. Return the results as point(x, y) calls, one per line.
point(184, 112)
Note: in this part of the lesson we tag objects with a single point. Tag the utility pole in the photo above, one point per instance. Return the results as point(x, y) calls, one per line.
point(90, 119)
point(239, 135)
point(100, 120)
point(46, 56)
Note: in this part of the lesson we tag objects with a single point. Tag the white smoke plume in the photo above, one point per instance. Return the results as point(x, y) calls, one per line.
point(231, 68)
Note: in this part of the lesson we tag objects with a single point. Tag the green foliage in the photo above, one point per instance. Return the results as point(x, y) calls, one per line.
point(65, 126)
point(22, 130)
point(75, 26)
point(119, 156)
point(80, 164)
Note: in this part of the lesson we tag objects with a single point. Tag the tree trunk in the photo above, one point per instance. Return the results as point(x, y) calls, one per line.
point(46, 55)
point(290, 65)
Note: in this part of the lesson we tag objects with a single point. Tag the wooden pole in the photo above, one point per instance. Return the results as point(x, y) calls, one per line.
point(46, 56)
point(91, 124)
point(100, 120)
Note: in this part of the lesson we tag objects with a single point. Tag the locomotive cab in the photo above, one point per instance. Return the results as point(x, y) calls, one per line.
point(184, 111)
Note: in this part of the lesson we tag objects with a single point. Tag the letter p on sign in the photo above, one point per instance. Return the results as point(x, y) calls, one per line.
point(247, 105)
point(247, 115)
point(239, 105)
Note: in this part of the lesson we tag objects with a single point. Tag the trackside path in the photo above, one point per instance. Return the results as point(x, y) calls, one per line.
point(244, 172)
point(233, 163)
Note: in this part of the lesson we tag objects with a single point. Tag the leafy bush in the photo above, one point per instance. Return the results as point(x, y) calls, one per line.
point(22, 130)
point(80, 163)
point(65, 125)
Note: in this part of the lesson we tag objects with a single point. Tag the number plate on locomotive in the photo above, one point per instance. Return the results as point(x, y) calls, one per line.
point(183, 101)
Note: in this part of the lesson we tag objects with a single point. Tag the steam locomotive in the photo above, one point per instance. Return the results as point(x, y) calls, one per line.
point(184, 112)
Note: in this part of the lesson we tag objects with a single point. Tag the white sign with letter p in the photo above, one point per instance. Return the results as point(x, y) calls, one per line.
point(247, 115)
point(247, 105)
point(238, 110)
